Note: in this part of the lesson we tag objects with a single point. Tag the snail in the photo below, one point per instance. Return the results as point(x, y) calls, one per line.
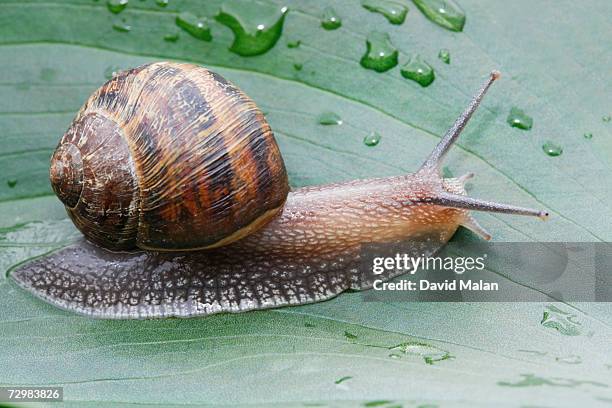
point(175, 179)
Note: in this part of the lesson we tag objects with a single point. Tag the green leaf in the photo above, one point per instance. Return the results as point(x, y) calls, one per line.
point(554, 65)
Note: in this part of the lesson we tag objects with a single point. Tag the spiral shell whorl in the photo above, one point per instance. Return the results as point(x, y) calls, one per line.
point(202, 163)
point(66, 174)
point(106, 208)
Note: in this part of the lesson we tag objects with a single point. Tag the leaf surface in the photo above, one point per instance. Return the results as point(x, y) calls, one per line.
point(346, 351)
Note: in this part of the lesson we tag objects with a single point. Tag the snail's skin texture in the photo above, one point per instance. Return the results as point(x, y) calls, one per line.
point(169, 156)
point(309, 251)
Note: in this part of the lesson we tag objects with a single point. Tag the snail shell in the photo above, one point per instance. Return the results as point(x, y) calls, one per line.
point(169, 156)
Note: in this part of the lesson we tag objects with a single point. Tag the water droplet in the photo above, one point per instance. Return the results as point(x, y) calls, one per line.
point(429, 353)
point(111, 71)
point(588, 135)
point(122, 27)
point(606, 118)
point(519, 119)
point(380, 54)
point(161, 3)
point(256, 27)
point(445, 13)
point(534, 352)
point(11, 183)
point(531, 380)
point(330, 118)
point(343, 379)
point(117, 6)
point(293, 43)
point(372, 139)
point(552, 149)
point(377, 403)
point(331, 20)
point(418, 70)
point(395, 356)
point(394, 12)
point(196, 26)
point(350, 335)
point(561, 321)
point(298, 66)
point(444, 55)
point(172, 37)
point(308, 324)
point(571, 359)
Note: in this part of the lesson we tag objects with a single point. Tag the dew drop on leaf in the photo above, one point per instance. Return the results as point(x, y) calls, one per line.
point(343, 379)
point(172, 37)
point(122, 27)
point(256, 27)
point(418, 70)
point(377, 403)
point(444, 55)
point(380, 53)
point(532, 380)
point(196, 26)
point(429, 353)
point(329, 118)
point(350, 335)
point(330, 20)
point(533, 352)
point(519, 119)
point(571, 359)
point(293, 43)
point(552, 149)
point(11, 183)
point(117, 6)
point(445, 13)
point(395, 12)
point(372, 139)
point(561, 321)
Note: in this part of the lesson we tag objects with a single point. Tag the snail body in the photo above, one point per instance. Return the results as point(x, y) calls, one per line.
point(175, 164)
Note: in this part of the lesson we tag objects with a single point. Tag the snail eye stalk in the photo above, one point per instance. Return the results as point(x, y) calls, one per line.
point(435, 158)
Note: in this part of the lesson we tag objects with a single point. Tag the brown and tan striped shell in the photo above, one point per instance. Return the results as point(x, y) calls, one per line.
point(169, 156)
